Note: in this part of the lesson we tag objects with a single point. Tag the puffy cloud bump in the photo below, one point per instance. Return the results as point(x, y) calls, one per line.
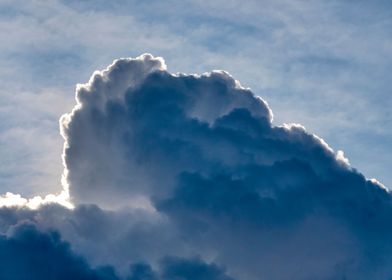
point(177, 176)
point(136, 127)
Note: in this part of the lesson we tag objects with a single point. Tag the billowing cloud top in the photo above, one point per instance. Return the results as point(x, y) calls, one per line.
point(185, 177)
point(140, 127)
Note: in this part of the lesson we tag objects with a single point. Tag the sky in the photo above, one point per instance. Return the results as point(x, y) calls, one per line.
point(308, 81)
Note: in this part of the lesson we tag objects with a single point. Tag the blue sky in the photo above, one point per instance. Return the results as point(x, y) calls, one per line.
point(324, 64)
point(161, 174)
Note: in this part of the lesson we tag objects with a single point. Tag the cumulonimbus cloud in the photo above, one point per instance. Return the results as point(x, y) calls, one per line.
point(185, 176)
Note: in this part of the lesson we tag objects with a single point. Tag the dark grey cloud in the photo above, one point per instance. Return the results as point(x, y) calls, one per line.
point(27, 253)
point(119, 238)
point(185, 177)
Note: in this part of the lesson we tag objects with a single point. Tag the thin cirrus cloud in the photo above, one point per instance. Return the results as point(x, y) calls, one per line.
point(177, 176)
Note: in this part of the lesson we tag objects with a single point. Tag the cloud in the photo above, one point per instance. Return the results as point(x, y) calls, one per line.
point(11, 199)
point(119, 238)
point(138, 125)
point(27, 253)
point(184, 176)
point(177, 268)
